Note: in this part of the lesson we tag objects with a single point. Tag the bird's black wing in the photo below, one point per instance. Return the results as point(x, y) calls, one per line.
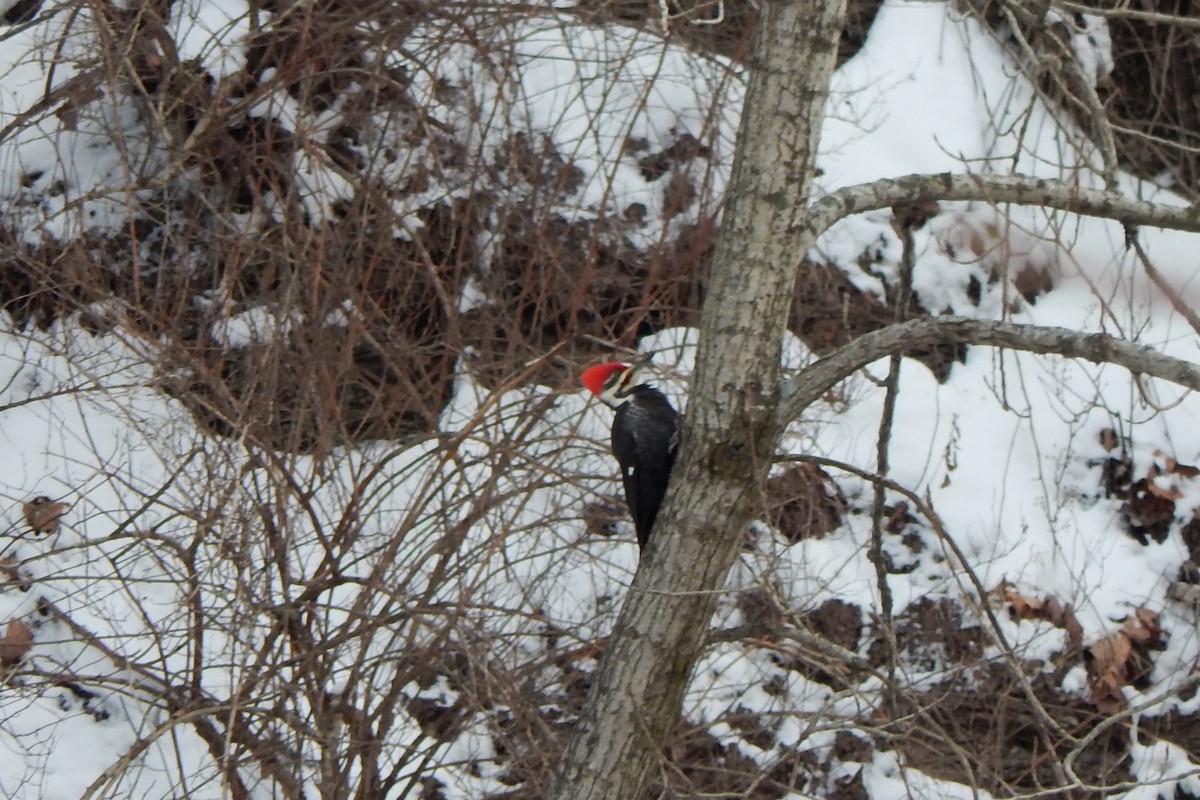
point(644, 437)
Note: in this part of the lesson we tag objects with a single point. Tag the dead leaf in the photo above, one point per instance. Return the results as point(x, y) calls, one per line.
point(11, 574)
point(1063, 616)
point(15, 643)
point(1166, 492)
point(1149, 511)
point(1143, 628)
point(1106, 669)
point(1183, 470)
point(1106, 695)
point(1022, 606)
point(1049, 609)
point(1121, 658)
point(1111, 653)
point(1188, 593)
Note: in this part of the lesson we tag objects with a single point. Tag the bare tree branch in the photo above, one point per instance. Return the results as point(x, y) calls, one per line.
point(816, 379)
point(1018, 189)
point(1123, 11)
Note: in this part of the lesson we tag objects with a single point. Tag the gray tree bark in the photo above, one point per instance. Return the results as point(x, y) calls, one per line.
point(729, 431)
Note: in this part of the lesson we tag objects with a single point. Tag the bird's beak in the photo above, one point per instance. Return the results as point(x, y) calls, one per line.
point(629, 376)
point(640, 362)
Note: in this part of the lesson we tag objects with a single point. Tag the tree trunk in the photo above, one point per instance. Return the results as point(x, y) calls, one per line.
point(730, 429)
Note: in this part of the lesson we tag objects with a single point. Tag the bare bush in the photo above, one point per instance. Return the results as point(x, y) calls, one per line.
point(294, 341)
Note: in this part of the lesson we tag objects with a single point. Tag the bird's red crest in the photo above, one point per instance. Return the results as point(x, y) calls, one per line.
point(595, 376)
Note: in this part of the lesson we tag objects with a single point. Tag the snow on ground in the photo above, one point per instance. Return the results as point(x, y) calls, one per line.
point(1006, 450)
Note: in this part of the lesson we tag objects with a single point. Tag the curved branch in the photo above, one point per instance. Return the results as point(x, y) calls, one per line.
point(1018, 189)
point(816, 379)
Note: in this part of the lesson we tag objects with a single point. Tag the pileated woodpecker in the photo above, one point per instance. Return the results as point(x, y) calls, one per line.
point(645, 432)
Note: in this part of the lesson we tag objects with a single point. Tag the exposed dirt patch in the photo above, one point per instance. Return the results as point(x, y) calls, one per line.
point(1149, 492)
point(1151, 96)
point(996, 740)
point(828, 311)
point(691, 22)
point(932, 634)
point(836, 621)
point(803, 502)
point(21, 11)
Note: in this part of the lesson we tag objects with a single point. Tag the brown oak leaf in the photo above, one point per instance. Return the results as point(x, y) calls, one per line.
point(15, 643)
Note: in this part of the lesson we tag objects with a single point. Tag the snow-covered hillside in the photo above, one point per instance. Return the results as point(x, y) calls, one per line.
point(218, 619)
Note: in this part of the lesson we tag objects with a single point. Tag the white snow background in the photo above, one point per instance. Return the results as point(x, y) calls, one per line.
point(1006, 450)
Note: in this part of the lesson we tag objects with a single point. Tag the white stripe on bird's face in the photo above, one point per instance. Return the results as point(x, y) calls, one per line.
point(616, 388)
point(620, 384)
